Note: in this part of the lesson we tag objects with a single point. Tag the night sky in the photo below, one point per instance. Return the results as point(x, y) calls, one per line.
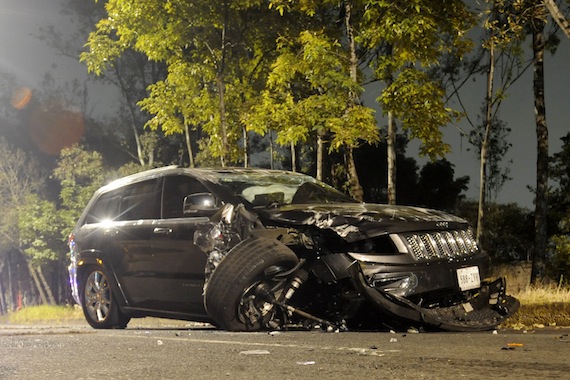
point(25, 56)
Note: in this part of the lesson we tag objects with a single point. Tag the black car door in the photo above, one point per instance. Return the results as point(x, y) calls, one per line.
point(130, 236)
point(178, 262)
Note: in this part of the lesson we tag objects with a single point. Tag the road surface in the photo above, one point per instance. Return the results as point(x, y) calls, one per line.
point(157, 349)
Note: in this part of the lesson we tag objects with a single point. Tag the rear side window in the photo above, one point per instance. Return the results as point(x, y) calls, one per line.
point(132, 202)
point(106, 208)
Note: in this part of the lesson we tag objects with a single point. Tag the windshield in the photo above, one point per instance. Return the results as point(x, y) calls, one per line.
point(272, 188)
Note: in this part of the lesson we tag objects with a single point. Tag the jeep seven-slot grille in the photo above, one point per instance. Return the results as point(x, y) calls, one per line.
point(441, 244)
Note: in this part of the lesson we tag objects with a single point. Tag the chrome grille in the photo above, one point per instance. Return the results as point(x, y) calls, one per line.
point(441, 244)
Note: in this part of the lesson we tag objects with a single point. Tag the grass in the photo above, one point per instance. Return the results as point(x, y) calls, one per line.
point(43, 314)
point(540, 307)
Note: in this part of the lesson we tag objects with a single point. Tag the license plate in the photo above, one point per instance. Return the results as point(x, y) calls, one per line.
point(468, 278)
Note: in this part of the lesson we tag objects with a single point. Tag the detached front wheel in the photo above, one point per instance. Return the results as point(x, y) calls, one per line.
point(240, 291)
point(99, 305)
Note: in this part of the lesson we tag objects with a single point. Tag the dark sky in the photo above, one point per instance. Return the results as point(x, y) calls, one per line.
point(23, 55)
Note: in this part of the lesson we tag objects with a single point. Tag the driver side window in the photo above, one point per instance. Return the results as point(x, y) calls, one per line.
point(175, 189)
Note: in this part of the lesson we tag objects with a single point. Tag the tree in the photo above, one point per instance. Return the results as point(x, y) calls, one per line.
point(218, 47)
point(541, 199)
point(558, 16)
point(504, 34)
point(437, 187)
point(559, 213)
point(20, 177)
point(509, 234)
point(130, 73)
point(310, 92)
point(41, 240)
point(80, 173)
point(412, 36)
point(374, 177)
point(497, 147)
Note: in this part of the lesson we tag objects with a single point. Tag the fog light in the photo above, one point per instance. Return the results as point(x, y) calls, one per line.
point(397, 284)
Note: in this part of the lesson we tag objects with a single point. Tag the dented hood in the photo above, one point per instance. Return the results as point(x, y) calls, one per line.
point(356, 221)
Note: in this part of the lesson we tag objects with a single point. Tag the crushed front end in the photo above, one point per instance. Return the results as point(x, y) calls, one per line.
point(435, 278)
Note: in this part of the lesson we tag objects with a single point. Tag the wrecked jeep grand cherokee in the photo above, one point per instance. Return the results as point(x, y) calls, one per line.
point(251, 249)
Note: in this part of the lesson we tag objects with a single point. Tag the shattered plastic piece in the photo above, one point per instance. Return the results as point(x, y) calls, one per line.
point(495, 332)
point(393, 340)
point(413, 330)
point(159, 342)
point(309, 362)
point(272, 333)
point(468, 307)
point(255, 352)
point(515, 344)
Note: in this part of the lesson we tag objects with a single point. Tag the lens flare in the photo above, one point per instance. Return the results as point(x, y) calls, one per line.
point(21, 97)
point(54, 128)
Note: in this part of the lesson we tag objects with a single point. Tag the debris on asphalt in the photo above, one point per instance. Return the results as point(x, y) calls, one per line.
point(255, 352)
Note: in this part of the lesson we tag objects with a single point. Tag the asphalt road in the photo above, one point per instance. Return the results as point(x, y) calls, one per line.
point(158, 349)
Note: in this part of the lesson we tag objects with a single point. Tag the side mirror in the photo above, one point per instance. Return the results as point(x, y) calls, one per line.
point(199, 202)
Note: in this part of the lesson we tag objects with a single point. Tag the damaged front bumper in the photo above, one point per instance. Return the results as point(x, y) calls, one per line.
point(487, 309)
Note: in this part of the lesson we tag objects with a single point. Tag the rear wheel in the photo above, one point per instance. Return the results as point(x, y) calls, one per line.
point(99, 305)
point(239, 293)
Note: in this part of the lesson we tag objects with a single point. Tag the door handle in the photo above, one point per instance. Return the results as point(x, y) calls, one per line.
point(162, 230)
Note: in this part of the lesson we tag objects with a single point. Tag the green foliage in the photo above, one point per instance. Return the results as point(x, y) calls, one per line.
point(215, 53)
point(309, 92)
point(20, 176)
point(497, 148)
point(509, 235)
point(80, 173)
point(417, 101)
point(559, 172)
point(418, 31)
point(412, 36)
point(40, 230)
point(559, 263)
point(560, 211)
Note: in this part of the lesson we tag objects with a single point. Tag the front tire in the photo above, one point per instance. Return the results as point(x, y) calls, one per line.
point(97, 299)
point(233, 296)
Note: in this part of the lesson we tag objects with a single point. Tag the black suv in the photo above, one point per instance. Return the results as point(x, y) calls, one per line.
point(250, 249)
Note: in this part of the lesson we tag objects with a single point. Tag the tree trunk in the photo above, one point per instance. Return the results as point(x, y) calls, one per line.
point(485, 143)
point(293, 158)
point(320, 157)
point(223, 126)
point(354, 182)
point(189, 144)
point(10, 285)
point(541, 201)
point(131, 107)
point(271, 153)
point(558, 16)
point(245, 149)
point(221, 85)
point(355, 187)
point(46, 287)
point(391, 153)
point(34, 276)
